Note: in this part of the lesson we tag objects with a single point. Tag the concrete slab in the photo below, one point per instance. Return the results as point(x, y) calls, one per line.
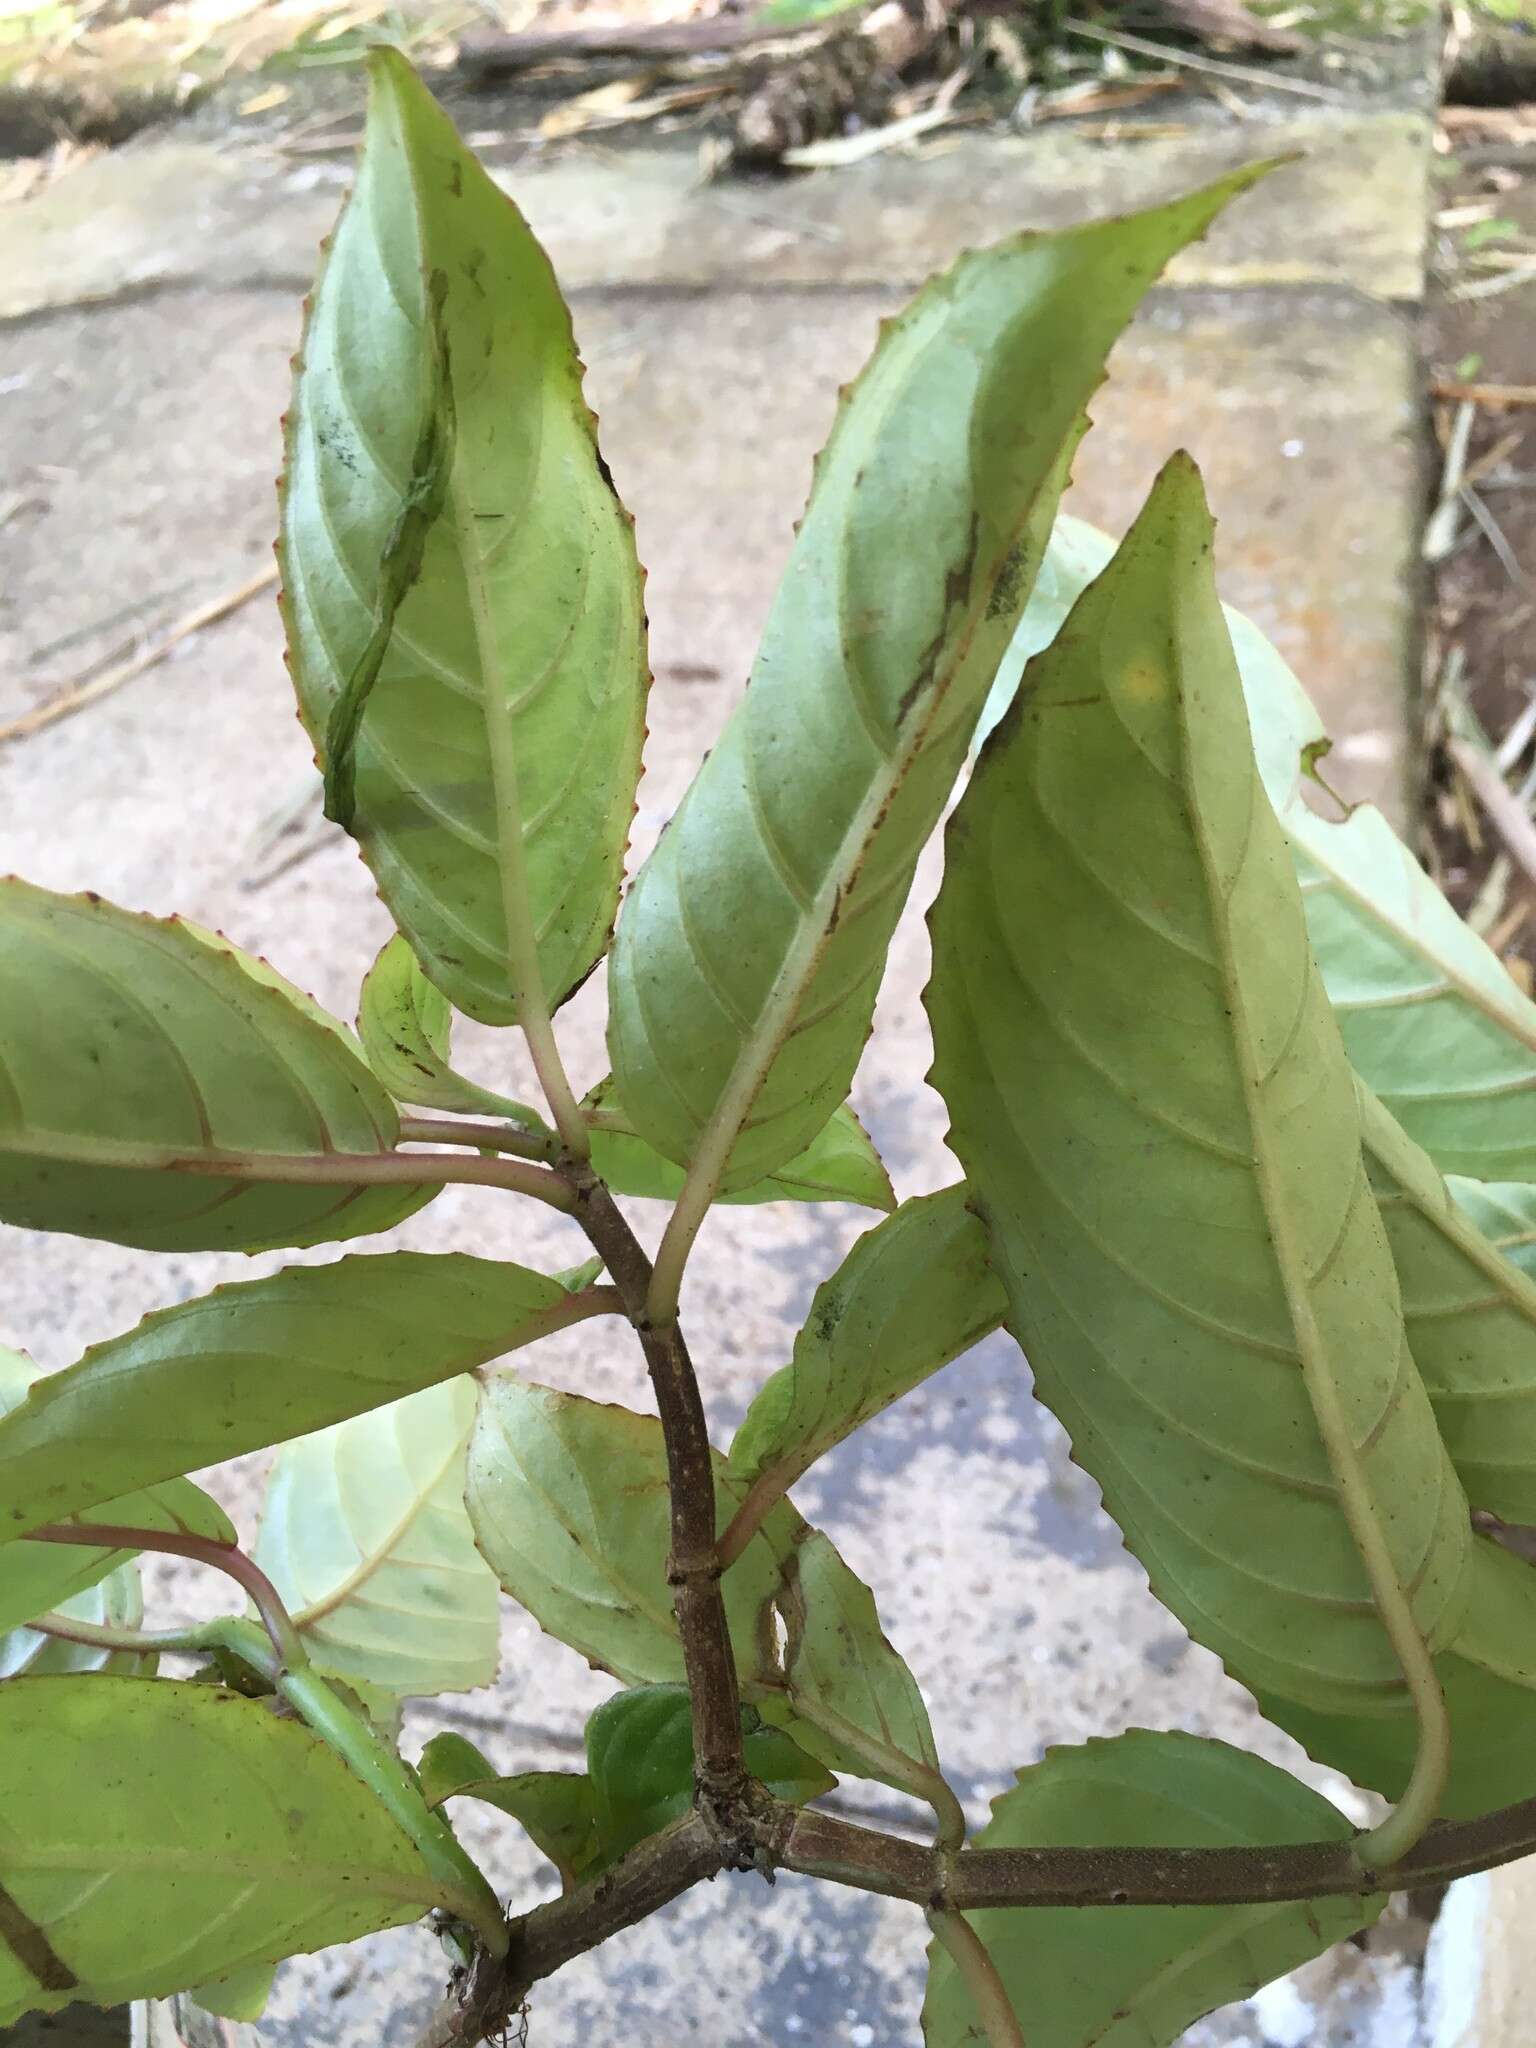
point(144, 431)
point(178, 212)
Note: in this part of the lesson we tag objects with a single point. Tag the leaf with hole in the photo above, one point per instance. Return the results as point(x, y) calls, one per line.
point(139, 1053)
point(112, 1895)
point(260, 1362)
point(498, 749)
point(1160, 1131)
point(1137, 1976)
point(743, 974)
point(839, 1165)
point(366, 1538)
point(912, 1294)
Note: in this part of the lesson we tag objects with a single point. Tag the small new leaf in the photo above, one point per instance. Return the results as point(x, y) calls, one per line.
point(555, 1808)
point(913, 1293)
point(640, 1764)
point(406, 1026)
point(839, 1165)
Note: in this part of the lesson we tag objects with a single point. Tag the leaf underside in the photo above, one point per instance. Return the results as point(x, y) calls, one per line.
point(912, 1294)
point(114, 1887)
point(840, 1164)
point(1471, 1313)
point(743, 974)
point(1430, 1017)
point(479, 768)
point(36, 1578)
point(365, 1535)
point(1136, 1977)
point(1160, 1128)
point(568, 1498)
point(135, 1050)
point(258, 1363)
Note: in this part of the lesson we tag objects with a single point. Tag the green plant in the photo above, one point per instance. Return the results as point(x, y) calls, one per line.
point(1248, 1125)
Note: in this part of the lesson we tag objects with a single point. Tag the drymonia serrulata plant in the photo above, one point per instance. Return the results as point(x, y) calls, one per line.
point(1247, 1126)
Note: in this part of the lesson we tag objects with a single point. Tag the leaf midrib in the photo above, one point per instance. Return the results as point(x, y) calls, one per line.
point(1310, 836)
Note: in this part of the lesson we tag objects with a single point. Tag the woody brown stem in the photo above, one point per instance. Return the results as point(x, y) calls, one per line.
point(694, 1567)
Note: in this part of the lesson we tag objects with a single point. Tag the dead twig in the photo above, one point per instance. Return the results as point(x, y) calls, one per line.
point(1444, 523)
point(1229, 22)
point(1484, 394)
point(75, 696)
point(1215, 67)
point(1501, 806)
point(835, 151)
point(1495, 536)
point(496, 53)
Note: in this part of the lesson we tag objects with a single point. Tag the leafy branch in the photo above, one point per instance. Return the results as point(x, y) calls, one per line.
point(1176, 1018)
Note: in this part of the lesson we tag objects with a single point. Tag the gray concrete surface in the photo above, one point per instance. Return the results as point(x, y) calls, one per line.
point(154, 304)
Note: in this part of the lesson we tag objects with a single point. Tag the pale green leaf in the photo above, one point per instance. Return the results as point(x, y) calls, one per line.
point(242, 1995)
point(857, 1706)
point(1505, 1212)
point(117, 1601)
point(577, 1279)
point(137, 1052)
point(1160, 1131)
point(570, 1507)
point(743, 975)
point(448, 1764)
point(839, 1165)
point(1430, 1016)
point(1488, 1677)
point(913, 1293)
point(366, 1537)
point(1471, 1313)
point(555, 1808)
point(640, 1764)
point(406, 1026)
point(156, 1835)
point(257, 1363)
point(569, 1502)
point(492, 774)
point(181, 2022)
point(36, 1578)
point(1137, 1976)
